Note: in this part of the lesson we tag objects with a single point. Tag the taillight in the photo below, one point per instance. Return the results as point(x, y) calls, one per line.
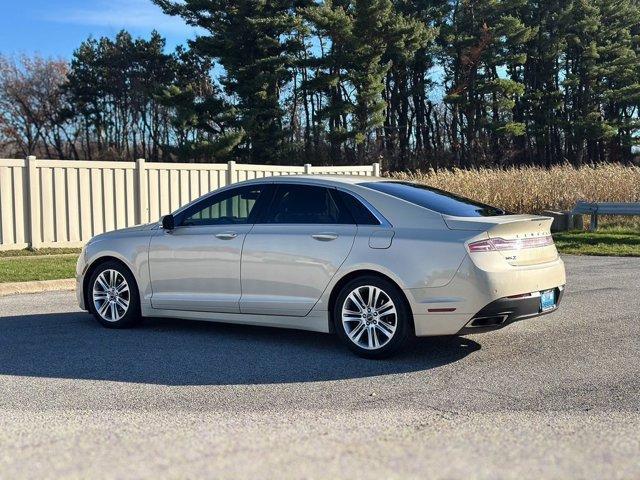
point(498, 244)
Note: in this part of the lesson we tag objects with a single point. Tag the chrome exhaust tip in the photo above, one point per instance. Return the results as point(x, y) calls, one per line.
point(489, 321)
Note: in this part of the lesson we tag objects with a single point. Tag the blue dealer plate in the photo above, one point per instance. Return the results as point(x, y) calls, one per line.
point(547, 300)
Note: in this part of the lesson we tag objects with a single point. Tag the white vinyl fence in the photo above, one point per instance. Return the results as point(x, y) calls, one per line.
point(63, 203)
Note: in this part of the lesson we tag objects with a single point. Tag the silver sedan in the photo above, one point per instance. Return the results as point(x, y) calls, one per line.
point(373, 260)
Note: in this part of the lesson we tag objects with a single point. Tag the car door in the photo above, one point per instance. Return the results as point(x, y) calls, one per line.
point(294, 250)
point(196, 266)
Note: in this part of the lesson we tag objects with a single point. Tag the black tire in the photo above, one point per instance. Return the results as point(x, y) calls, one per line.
point(123, 318)
point(403, 320)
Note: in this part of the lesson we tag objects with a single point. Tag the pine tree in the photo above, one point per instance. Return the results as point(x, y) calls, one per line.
point(618, 73)
point(252, 41)
point(540, 105)
point(332, 23)
point(408, 122)
point(112, 85)
point(583, 123)
point(480, 42)
point(366, 37)
point(203, 120)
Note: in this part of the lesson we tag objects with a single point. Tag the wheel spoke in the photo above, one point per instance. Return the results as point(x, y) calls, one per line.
point(356, 293)
point(376, 296)
point(122, 303)
point(385, 328)
point(385, 306)
point(103, 309)
point(373, 337)
point(391, 311)
point(357, 301)
point(357, 332)
point(114, 311)
point(102, 281)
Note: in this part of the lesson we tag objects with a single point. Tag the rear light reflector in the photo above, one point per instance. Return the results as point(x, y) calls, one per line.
point(499, 244)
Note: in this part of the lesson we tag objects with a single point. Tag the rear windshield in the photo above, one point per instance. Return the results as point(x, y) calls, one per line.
point(437, 200)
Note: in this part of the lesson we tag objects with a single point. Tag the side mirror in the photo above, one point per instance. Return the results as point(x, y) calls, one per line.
point(168, 222)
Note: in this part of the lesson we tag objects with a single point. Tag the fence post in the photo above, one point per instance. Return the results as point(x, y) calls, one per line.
point(33, 207)
point(143, 197)
point(231, 172)
point(307, 169)
point(376, 169)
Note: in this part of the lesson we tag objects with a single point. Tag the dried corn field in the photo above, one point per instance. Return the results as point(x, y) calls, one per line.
point(533, 189)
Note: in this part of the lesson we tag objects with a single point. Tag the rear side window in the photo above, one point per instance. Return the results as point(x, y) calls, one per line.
point(434, 199)
point(361, 214)
point(305, 204)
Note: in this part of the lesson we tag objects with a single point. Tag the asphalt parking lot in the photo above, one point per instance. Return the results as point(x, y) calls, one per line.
point(553, 397)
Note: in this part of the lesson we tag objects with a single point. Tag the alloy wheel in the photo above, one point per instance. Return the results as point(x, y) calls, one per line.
point(369, 317)
point(111, 295)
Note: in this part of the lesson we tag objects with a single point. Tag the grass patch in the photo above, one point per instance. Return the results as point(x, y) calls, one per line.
point(27, 252)
point(25, 268)
point(607, 242)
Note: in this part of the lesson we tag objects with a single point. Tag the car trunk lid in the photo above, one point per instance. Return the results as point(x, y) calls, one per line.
point(520, 239)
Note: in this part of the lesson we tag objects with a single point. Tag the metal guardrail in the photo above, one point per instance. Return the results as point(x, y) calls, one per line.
point(605, 208)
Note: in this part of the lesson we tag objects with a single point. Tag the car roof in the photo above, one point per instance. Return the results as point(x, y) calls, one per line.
point(334, 180)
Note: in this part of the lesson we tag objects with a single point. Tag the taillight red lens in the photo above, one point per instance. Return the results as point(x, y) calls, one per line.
point(499, 244)
point(481, 246)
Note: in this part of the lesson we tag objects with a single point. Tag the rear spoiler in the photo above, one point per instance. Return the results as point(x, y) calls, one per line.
point(531, 225)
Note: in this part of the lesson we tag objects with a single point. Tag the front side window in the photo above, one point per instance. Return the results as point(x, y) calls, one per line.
point(434, 199)
point(228, 208)
point(306, 204)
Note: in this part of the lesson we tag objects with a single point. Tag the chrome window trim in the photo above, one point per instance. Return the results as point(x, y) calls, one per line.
point(381, 218)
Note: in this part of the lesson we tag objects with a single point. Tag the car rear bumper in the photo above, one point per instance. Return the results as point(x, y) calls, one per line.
point(473, 291)
point(504, 311)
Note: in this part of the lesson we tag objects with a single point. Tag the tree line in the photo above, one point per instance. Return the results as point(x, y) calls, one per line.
point(411, 83)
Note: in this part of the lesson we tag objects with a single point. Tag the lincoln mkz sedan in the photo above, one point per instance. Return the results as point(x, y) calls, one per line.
point(373, 260)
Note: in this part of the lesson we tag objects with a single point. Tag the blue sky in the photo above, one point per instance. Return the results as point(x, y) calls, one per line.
point(55, 28)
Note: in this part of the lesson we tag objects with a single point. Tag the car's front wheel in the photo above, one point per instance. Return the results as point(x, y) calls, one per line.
point(371, 317)
point(113, 296)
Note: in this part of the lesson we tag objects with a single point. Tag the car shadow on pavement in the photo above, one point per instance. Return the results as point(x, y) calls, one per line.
point(179, 352)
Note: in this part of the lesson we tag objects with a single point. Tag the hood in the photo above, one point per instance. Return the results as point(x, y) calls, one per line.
point(125, 232)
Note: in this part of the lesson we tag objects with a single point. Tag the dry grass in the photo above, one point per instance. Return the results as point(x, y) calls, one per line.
point(532, 189)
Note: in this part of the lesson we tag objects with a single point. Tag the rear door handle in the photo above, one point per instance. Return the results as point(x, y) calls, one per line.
point(324, 237)
point(226, 235)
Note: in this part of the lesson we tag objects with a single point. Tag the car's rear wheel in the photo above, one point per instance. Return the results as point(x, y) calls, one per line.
point(113, 296)
point(371, 317)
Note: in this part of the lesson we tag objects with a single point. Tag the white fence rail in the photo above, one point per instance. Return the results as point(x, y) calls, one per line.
point(63, 203)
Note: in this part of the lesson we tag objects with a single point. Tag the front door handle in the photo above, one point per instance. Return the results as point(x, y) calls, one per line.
point(324, 237)
point(226, 235)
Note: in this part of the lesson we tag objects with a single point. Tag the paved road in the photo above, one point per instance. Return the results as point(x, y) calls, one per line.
point(557, 396)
